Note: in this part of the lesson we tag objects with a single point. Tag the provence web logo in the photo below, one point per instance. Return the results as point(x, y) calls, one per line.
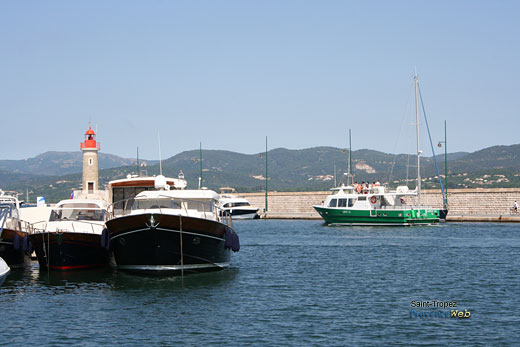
point(435, 309)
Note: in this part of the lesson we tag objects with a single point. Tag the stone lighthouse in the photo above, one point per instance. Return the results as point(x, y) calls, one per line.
point(90, 148)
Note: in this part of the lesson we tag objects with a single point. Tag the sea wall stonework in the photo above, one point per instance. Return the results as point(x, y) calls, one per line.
point(462, 202)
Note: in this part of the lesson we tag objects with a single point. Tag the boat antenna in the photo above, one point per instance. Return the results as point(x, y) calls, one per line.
point(137, 162)
point(160, 160)
point(335, 182)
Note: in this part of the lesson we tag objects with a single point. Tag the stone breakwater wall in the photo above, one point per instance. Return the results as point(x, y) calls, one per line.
point(462, 202)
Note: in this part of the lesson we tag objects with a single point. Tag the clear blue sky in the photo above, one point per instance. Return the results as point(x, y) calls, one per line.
point(228, 73)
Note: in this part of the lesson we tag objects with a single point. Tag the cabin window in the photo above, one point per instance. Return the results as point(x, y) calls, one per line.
point(201, 206)
point(351, 202)
point(361, 198)
point(238, 204)
point(153, 203)
point(333, 203)
point(67, 214)
point(226, 205)
point(342, 202)
point(123, 198)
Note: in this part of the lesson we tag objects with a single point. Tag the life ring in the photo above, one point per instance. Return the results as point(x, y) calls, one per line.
point(373, 199)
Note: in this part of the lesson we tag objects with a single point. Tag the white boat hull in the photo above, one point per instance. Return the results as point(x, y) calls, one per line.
point(244, 216)
point(4, 271)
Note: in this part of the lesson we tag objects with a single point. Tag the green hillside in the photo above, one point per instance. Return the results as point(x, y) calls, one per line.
point(292, 170)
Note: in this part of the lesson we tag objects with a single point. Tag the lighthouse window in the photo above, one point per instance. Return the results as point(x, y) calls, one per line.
point(90, 161)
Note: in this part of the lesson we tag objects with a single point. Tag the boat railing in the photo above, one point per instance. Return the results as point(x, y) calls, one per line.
point(404, 206)
point(41, 227)
point(207, 209)
point(26, 226)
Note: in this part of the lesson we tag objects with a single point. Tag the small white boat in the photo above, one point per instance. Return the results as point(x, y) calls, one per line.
point(4, 271)
point(14, 246)
point(238, 208)
point(72, 238)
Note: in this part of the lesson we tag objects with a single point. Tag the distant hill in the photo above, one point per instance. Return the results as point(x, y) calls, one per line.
point(496, 157)
point(288, 170)
point(60, 163)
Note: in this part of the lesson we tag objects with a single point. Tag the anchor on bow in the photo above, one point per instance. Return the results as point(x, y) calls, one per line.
point(152, 224)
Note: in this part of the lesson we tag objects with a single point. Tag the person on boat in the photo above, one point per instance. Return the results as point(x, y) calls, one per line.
point(366, 187)
point(358, 187)
point(515, 206)
point(377, 184)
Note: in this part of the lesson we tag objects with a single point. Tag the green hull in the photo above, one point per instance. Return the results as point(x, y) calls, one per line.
point(344, 216)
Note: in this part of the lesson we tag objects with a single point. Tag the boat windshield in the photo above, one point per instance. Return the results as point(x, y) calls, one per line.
point(341, 202)
point(87, 212)
point(157, 203)
point(236, 204)
point(13, 212)
point(202, 206)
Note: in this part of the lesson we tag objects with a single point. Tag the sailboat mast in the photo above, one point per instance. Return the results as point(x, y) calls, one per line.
point(418, 149)
point(350, 158)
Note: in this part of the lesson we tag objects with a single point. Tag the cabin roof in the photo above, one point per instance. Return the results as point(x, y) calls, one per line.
point(178, 194)
point(101, 204)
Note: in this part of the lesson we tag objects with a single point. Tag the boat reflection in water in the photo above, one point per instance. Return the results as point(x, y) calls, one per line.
point(172, 232)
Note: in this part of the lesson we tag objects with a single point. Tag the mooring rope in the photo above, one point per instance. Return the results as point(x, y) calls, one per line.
point(182, 255)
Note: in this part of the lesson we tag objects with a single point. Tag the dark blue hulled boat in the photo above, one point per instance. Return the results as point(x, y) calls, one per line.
point(172, 231)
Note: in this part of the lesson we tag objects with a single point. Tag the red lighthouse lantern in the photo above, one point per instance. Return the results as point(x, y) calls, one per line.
point(90, 140)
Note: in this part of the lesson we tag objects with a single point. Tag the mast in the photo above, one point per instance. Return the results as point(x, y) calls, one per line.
point(200, 164)
point(417, 131)
point(350, 158)
point(160, 158)
point(445, 167)
point(266, 176)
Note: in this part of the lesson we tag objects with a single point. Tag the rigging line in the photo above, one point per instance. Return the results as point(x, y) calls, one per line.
point(391, 170)
point(431, 143)
point(407, 167)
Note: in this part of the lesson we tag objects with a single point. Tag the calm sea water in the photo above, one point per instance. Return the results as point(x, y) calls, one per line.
point(292, 283)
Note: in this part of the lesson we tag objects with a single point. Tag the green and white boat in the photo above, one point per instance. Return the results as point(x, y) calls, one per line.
point(373, 205)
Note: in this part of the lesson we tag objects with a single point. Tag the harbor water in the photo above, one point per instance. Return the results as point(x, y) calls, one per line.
point(292, 283)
